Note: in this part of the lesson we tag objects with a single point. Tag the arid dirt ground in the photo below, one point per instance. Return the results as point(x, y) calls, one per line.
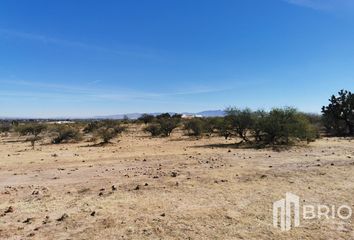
point(169, 188)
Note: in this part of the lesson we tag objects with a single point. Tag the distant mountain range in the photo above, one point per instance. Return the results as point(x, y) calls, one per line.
point(210, 113)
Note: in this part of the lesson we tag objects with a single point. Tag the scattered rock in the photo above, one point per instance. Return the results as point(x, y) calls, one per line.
point(9, 210)
point(63, 217)
point(114, 188)
point(46, 220)
point(93, 213)
point(28, 220)
point(137, 187)
point(35, 192)
point(173, 174)
point(163, 215)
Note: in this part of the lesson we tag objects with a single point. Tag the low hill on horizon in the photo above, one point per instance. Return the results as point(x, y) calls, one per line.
point(208, 113)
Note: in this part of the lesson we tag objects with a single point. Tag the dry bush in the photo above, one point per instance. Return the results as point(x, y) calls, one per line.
point(32, 130)
point(163, 125)
point(154, 129)
point(107, 133)
point(195, 127)
point(64, 133)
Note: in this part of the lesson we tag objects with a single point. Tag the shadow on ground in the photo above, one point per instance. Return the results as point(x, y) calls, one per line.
point(247, 145)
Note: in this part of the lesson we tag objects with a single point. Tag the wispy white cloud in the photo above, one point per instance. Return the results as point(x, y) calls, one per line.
point(318, 5)
point(49, 90)
point(325, 5)
point(94, 82)
point(20, 93)
point(133, 51)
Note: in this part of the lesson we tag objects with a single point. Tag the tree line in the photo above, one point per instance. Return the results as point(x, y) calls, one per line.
point(279, 126)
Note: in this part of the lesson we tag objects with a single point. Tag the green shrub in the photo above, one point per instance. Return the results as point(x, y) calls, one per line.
point(33, 130)
point(177, 116)
point(168, 125)
point(91, 127)
point(106, 133)
point(163, 116)
point(105, 129)
point(195, 127)
point(146, 118)
point(15, 123)
point(282, 125)
point(65, 133)
point(163, 125)
point(222, 126)
point(212, 124)
point(5, 127)
point(154, 129)
point(30, 129)
point(259, 118)
point(240, 121)
point(279, 126)
point(338, 116)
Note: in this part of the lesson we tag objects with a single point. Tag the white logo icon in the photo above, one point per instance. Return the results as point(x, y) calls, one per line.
point(285, 206)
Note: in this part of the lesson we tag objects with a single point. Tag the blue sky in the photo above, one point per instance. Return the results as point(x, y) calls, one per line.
point(84, 58)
